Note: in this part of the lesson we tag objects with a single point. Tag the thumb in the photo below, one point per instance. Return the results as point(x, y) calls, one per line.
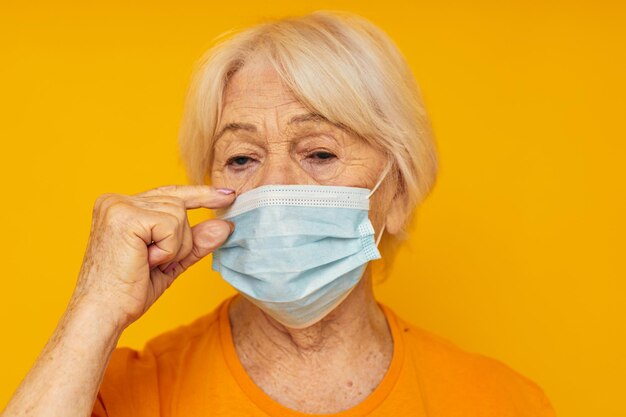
point(206, 237)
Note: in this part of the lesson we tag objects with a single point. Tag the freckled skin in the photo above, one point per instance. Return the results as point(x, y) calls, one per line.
point(336, 363)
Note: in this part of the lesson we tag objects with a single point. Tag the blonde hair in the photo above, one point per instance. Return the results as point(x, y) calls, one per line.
point(339, 65)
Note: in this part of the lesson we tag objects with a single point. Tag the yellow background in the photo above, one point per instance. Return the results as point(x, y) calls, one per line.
point(518, 253)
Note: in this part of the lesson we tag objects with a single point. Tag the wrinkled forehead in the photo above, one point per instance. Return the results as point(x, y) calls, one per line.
point(257, 81)
point(256, 96)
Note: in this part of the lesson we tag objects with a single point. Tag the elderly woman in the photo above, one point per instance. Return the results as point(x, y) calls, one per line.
point(313, 135)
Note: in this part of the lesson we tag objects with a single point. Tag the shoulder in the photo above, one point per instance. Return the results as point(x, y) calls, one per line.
point(450, 373)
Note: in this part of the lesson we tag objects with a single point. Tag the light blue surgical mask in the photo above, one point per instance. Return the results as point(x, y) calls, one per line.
point(298, 250)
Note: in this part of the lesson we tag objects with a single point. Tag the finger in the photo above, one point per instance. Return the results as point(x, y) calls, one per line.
point(171, 206)
point(166, 236)
point(150, 201)
point(161, 281)
point(176, 209)
point(195, 196)
point(207, 236)
point(185, 249)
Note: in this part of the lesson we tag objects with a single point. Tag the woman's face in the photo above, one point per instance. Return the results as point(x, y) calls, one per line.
point(267, 136)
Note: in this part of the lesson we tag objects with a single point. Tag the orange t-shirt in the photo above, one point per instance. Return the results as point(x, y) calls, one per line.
point(194, 371)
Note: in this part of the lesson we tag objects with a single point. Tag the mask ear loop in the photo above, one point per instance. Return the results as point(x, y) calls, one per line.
point(380, 181)
point(382, 230)
point(382, 177)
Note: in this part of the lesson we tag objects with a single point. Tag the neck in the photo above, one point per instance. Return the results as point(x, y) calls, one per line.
point(357, 321)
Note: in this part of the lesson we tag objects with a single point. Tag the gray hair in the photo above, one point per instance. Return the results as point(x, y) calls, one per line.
point(339, 65)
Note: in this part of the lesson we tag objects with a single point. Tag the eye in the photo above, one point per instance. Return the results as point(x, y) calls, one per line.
point(321, 156)
point(239, 161)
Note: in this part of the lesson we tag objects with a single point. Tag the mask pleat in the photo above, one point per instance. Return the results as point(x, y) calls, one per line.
point(297, 250)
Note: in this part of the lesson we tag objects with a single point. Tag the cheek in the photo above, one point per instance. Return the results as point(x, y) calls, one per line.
point(323, 171)
point(217, 179)
point(361, 172)
point(236, 181)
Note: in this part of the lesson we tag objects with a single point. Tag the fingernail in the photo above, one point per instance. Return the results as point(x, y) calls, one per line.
point(226, 191)
point(231, 225)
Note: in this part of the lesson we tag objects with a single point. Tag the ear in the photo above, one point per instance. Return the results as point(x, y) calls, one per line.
point(397, 213)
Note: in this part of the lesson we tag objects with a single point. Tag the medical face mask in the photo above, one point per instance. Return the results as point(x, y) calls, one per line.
point(297, 250)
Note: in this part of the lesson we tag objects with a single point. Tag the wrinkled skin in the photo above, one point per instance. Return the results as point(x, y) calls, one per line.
point(139, 244)
point(268, 137)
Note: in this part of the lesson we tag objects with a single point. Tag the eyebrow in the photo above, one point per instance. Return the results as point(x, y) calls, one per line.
point(236, 126)
point(307, 117)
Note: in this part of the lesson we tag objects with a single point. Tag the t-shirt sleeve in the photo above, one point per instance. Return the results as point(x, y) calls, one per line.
point(515, 391)
point(129, 387)
point(475, 384)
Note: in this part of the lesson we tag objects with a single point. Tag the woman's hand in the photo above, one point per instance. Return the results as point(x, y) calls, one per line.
point(140, 243)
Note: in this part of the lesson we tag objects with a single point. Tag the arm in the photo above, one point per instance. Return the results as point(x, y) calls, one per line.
point(64, 380)
point(137, 247)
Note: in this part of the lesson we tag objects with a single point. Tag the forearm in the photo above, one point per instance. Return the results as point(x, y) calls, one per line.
point(65, 378)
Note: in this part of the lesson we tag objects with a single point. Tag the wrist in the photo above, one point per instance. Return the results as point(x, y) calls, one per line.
point(94, 317)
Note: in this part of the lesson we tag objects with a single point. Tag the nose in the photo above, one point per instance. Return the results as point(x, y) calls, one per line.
point(280, 170)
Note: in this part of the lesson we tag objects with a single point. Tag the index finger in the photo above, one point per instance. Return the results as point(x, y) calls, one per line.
point(195, 196)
